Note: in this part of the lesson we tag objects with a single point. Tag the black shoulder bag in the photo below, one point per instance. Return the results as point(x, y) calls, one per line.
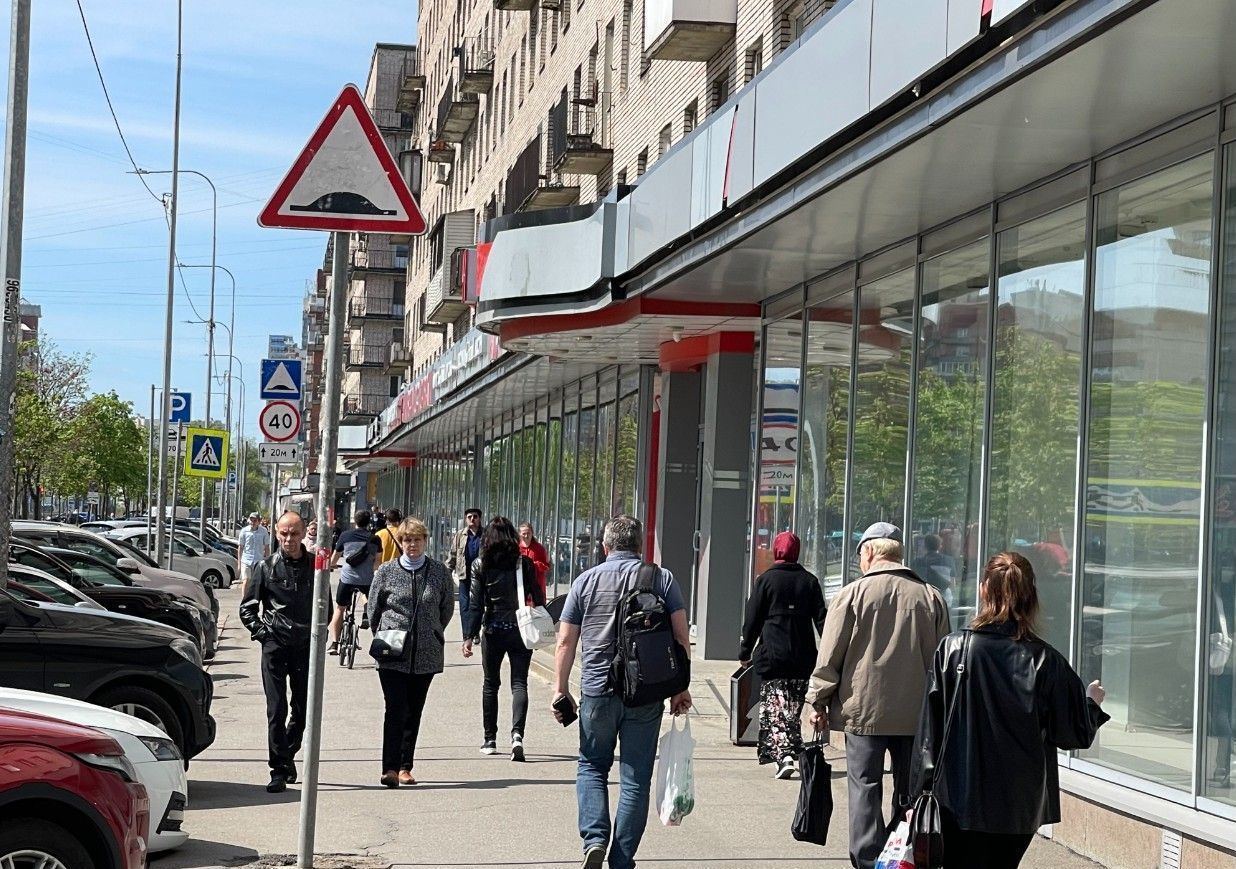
point(926, 825)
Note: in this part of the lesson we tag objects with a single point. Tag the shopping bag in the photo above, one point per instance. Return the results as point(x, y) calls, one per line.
point(815, 795)
point(898, 851)
point(675, 777)
point(536, 626)
point(927, 832)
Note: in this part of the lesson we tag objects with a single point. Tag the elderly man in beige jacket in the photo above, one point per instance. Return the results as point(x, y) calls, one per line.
point(876, 650)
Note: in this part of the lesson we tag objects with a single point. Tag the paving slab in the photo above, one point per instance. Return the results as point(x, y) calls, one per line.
point(469, 810)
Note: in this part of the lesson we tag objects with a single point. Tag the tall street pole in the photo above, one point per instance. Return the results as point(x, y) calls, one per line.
point(150, 435)
point(321, 578)
point(14, 194)
point(160, 535)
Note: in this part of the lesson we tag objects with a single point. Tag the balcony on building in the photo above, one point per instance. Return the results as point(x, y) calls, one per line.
point(444, 302)
point(365, 354)
point(688, 29)
point(365, 260)
point(457, 112)
point(476, 65)
point(533, 182)
point(411, 83)
point(393, 120)
point(581, 144)
point(440, 150)
point(364, 308)
point(552, 5)
point(515, 5)
point(400, 355)
point(363, 405)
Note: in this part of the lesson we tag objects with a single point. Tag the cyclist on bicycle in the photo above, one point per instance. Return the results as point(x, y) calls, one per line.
point(356, 548)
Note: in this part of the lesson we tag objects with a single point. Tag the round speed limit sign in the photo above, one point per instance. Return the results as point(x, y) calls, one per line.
point(280, 421)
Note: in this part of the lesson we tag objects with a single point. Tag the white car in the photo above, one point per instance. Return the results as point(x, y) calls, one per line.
point(155, 757)
point(186, 557)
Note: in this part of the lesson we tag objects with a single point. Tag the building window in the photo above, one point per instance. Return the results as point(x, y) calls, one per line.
point(719, 92)
point(690, 117)
point(394, 386)
point(641, 163)
point(622, 177)
point(793, 20)
point(664, 140)
point(625, 75)
point(754, 62)
point(566, 15)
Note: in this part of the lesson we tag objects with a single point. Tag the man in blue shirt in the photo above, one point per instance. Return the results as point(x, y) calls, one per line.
point(588, 615)
point(253, 546)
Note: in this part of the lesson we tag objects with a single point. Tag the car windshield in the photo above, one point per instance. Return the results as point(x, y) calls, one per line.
point(95, 570)
point(47, 586)
point(132, 551)
point(32, 558)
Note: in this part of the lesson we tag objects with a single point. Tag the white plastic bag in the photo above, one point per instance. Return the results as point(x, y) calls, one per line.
point(675, 775)
point(536, 625)
point(898, 851)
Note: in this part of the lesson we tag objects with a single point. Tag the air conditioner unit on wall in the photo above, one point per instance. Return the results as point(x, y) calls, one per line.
point(442, 173)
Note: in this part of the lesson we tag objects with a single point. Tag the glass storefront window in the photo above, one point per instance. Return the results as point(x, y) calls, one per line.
point(778, 448)
point(1148, 398)
point(567, 529)
point(1040, 314)
point(625, 466)
point(822, 440)
point(942, 545)
point(585, 541)
point(1220, 598)
point(881, 404)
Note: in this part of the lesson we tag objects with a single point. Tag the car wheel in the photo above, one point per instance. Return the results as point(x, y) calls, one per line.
point(32, 843)
point(213, 578)
point(148, 706)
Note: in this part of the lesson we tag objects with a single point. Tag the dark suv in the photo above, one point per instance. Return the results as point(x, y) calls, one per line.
point(132, 665)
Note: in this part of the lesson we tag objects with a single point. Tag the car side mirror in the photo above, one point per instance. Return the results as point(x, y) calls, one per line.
point(128, 565)
point(85, 604)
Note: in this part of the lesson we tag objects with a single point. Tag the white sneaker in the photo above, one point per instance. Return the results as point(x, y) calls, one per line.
point(785, 769)
point(517, 749)
point(489, 747)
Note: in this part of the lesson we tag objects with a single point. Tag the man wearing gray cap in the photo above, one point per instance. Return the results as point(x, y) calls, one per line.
point(876, 650)
point(252, 547)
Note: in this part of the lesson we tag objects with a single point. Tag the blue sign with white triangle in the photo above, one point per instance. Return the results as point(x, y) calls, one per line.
point(281, 379)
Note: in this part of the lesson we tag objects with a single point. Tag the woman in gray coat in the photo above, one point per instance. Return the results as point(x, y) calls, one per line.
point(413, 593)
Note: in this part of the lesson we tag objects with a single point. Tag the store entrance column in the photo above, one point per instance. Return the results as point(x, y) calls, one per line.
point(705, 498)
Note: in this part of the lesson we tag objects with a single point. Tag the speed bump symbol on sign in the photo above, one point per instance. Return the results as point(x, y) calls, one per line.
point(206, 453)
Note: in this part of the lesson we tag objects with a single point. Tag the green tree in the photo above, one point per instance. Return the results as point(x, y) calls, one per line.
point(50, 387)
point(106, 452)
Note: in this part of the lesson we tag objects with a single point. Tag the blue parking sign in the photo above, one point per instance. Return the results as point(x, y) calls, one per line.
point(182, 405)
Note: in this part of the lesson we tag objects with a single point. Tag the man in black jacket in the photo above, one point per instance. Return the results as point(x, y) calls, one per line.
point(278, 609)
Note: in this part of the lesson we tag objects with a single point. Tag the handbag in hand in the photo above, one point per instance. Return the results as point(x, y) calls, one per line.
point(536, 625)
point(389, 645)
point(815, 794)
point(926, 824)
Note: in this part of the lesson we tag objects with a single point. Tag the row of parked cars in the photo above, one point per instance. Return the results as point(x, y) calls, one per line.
point(104, 698)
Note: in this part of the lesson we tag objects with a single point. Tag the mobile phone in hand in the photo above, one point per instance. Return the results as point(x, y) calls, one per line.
point(566, 709)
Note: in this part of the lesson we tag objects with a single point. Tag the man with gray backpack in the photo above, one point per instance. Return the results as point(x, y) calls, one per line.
point(630, 620)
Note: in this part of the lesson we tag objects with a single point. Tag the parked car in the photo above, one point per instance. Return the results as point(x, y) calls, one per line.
point(111, 587)
point(69, 798)
point(132, 561)
point(187, 558)
point(132, 665)
point(59, 591)
point(205, 550)
point(154, 756)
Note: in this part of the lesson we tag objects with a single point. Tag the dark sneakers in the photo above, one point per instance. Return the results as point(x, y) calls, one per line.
point(278, 783)
point(594, 857)
point(289, 773)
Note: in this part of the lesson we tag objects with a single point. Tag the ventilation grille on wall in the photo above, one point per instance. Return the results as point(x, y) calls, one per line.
point(1170, 858)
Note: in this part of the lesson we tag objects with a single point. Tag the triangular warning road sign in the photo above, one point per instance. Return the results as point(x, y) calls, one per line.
point(281, 381)
point(345, 179)
point(206, 457)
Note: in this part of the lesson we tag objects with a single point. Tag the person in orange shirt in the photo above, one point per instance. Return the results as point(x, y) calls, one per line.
point(387, 537)
point(530, 547)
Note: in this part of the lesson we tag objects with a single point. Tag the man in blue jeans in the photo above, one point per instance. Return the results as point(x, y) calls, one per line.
point(604, 721)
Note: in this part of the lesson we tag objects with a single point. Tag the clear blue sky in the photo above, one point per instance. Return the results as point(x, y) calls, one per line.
point(258, 76)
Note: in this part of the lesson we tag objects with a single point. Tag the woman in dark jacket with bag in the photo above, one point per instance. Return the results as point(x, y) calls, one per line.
point(411, 602)
point(491, 621)
point(784, 614)
point(999, 703)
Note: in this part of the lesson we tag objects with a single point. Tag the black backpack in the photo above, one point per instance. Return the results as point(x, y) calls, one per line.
point(650, 665)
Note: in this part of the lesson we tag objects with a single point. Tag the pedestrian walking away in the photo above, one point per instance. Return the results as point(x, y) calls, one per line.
point(356, 548)
point(785, 611)
point(1000, 703)
point(253, 546)
point(589, 624)
point(531, 548)
point(491, 621)
point(879, 637)
point(388, 537)
point(277, 609)
point(414, 596)
point(465, 546)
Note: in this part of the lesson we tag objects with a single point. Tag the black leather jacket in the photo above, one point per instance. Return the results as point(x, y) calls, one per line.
point(1018, 701)
point(278, 602)
point(494, 598)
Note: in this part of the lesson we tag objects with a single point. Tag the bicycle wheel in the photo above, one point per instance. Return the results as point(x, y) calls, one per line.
point(345, 633)
point(353, 639)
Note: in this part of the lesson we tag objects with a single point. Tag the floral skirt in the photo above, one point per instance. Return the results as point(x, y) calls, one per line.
point(781, 709)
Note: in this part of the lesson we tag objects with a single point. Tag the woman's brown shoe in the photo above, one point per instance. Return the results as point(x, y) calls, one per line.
point(406, 777)
point(390, 778)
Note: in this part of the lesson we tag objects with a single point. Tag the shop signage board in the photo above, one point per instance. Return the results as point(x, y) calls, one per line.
point(280, 421)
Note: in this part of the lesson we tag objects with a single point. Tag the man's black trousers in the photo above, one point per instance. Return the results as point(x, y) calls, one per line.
point(284, 669)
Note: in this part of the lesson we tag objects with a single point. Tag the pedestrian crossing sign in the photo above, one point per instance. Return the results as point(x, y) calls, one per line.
point(206, 455)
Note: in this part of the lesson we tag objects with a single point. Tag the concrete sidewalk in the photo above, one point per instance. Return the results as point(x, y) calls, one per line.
point(470, 810)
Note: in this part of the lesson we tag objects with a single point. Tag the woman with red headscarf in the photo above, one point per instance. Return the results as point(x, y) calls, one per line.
point(784, 614)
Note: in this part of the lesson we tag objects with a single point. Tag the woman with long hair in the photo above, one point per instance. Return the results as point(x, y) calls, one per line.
point(496, 575)
point(413, 594)
point(999, 703)
point(784, 613)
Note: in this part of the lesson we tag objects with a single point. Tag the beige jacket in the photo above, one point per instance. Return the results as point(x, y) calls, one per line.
point(876, 650)
point(456, 559)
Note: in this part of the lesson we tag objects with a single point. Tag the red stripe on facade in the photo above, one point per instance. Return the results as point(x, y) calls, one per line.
point(622, 312)
point(695, 351)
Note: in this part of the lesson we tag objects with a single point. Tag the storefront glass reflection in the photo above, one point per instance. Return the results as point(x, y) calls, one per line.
point(948, 431)
point(778, 450)
point(1040, 316)
point(1147, 406)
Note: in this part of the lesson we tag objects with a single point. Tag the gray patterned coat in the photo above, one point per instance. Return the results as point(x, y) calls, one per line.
point(392, 600)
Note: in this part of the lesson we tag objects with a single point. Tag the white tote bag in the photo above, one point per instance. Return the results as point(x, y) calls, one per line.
point(536, 625)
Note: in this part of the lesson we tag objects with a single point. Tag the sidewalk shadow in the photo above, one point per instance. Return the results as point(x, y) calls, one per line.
point(231, 795)
point(488, 785)
point(202, 854)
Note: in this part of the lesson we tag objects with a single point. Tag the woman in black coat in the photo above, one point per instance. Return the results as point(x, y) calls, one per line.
point(1016, 702)
point(491, 621)
point(784, 614)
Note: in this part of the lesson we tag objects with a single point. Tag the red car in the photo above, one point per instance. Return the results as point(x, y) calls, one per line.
point(69, 798)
